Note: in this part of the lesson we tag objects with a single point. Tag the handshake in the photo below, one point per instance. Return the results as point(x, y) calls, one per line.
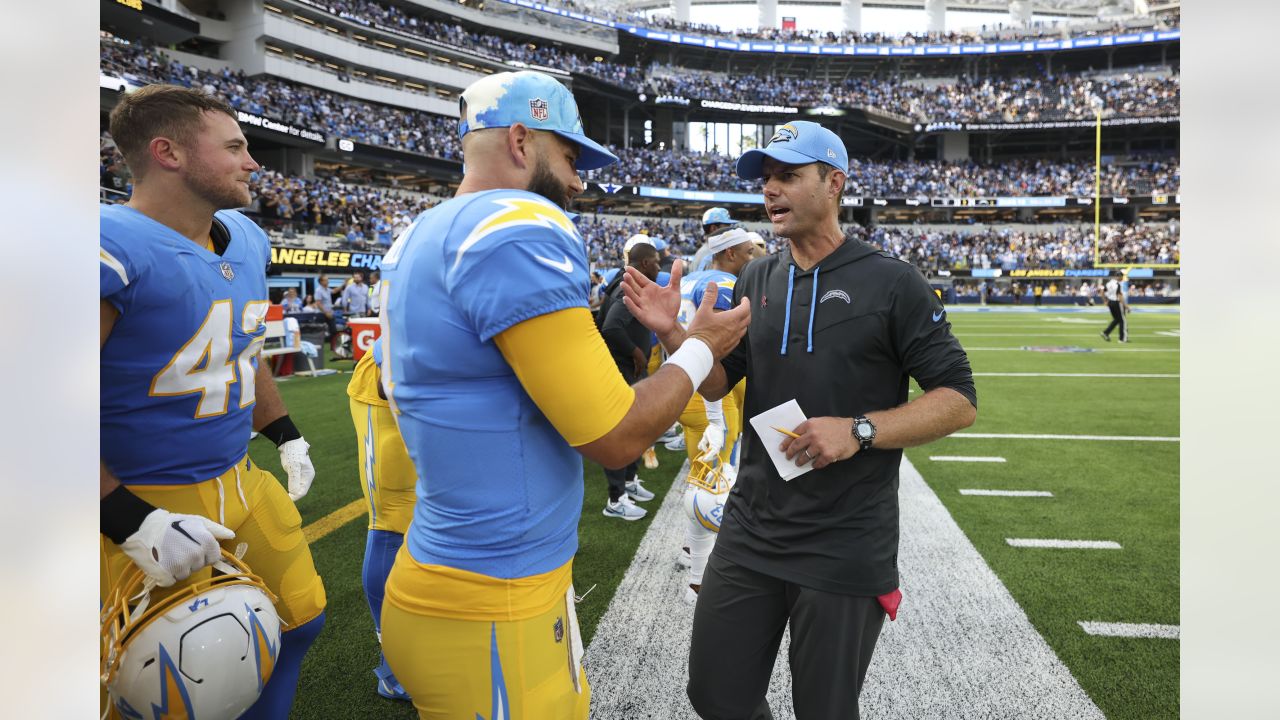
point(656, 308)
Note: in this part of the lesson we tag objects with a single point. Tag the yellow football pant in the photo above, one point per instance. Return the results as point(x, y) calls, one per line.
point(387, 475)
point(266, 520)
point(519, 670)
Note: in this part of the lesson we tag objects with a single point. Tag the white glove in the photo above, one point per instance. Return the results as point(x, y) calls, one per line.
point(169, 546)
point(712, 442)
point(296, 462)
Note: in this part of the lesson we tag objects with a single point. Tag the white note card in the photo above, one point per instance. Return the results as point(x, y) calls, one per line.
point(786, 416)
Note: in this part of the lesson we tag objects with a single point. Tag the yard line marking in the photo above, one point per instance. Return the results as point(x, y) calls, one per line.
point(963, 333)
point(965, 458)
point(1007, 493)
point(1021, 436)
point(1106, 350)
point(334, 520)
point(1079, 375)
point(1063, 544)
point(955, 607)
point(1131, 630)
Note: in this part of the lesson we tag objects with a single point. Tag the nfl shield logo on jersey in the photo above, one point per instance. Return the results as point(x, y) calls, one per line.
point(227, 272)
point(538, 109)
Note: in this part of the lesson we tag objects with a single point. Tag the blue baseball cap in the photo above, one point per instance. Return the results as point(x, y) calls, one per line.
point(717, 215)
point(534, 99)
point(797, 143)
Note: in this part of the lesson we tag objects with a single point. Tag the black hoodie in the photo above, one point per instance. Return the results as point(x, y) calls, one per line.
point(842, 339)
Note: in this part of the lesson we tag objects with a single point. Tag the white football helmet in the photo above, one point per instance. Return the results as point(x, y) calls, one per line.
point(206, 651)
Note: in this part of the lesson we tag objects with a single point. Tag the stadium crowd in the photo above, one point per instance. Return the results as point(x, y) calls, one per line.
point(1010, 248)
point(1039, 29)
point(357, 217)
point(688, 170)
point(337, 115)
point(989, 99)
point(390, 17)
point(370, 217)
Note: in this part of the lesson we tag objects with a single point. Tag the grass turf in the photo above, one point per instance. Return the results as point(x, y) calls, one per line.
point(1122, 491)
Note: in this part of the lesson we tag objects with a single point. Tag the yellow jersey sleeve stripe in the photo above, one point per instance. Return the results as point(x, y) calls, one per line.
point(109, 260)
point(563, 364)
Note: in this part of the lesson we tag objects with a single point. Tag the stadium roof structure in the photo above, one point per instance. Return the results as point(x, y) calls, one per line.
point(1074, 8)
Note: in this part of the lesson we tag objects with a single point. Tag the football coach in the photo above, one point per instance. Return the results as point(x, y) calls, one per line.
point(840, 327)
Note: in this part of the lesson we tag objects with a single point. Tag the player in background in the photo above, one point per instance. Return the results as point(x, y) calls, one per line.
point(387, 479)
point(501, 384)
point(713, 221)
point(711, 428)
point(183, 298)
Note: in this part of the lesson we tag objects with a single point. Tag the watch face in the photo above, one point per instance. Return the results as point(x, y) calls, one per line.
point(864, 429)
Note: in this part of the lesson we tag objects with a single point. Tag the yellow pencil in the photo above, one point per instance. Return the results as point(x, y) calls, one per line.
point(785, 432)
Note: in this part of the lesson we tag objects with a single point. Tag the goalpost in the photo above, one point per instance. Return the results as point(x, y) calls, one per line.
point(1097, 206)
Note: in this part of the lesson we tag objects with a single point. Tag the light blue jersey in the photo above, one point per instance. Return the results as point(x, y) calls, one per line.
point(694, 285)
point(500, 490)
point(178, 372)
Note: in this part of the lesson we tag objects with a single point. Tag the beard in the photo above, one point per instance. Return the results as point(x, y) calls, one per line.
point(544, 183)
point(222, 194)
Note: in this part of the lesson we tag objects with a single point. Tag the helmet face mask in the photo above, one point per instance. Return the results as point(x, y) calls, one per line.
point(718, 479)
point(207, 649)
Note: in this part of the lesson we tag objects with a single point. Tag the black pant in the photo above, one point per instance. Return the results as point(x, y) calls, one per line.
point(619, 478)
point(737, 629)
point(1117, 319)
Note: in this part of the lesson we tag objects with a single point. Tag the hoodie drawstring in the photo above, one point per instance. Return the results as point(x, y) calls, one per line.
point(813, 305)
point(786, 324)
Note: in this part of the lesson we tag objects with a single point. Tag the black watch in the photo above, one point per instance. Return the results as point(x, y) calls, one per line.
point(864, 431)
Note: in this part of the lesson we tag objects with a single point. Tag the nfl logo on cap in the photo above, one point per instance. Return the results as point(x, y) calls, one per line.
point(538, 109)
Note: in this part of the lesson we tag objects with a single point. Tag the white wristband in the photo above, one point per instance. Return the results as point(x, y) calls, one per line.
point(694, 358)
point(715, 411)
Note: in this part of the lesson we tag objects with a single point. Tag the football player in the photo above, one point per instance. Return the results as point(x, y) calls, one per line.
point(711, 428)
point(387, 480)
point(501, 384)
point(183, 297)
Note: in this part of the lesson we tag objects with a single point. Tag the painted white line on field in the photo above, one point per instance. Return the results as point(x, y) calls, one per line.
point(964, 333)
point(965, 458)
point(961, 646)
point(1079, 375)
point(1007, 493)
point(1063, 544)
point(1021, 436)
point(1132, 630)
point(1097, 350)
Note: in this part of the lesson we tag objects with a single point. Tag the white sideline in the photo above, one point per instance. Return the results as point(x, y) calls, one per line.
point(961, 647)
point(1131, 630)
point(1077, 375)
point(1007, 493)
point(1022, 436)
point(1063, 544)
point(965, 458)
point(1107, 350)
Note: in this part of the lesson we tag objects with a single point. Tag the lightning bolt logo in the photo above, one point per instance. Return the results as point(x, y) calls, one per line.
point(515, 212)
point(263, 651)
point(499, 707)
point(175, 703)
point(369, 461)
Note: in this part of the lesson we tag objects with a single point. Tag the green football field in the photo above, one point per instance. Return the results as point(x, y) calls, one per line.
point(1111, 467)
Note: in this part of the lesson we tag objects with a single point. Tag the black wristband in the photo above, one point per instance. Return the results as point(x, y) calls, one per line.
point(280, 431)
point(121, 513)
